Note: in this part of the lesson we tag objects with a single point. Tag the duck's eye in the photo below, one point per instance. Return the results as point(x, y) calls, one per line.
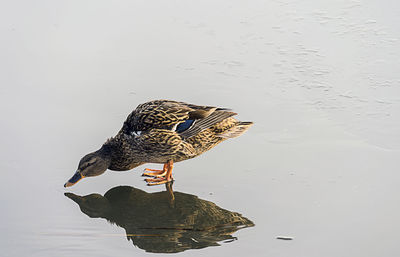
point(87, 165)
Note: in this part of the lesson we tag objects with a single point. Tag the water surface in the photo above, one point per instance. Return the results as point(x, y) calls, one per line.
point(319, 79)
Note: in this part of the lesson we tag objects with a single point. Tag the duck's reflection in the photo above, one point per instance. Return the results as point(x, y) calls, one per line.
point(163, 222)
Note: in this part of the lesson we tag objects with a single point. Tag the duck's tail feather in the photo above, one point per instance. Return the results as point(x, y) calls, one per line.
point(237, 130)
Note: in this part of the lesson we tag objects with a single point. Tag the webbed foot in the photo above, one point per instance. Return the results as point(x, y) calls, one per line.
point(159, 176)
point(156, 174)
point(158, 181)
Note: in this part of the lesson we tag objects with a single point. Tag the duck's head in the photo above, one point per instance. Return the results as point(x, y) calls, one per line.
point(92, 164)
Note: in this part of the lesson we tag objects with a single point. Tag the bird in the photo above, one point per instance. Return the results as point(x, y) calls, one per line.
point(164, 132)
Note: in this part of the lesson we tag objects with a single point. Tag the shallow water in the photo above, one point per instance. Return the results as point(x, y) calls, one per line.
point(320, 80)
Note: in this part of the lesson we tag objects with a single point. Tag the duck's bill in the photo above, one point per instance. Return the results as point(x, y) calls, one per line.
point(75, 178)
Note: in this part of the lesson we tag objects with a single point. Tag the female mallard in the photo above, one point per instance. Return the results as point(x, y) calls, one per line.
point(161, 131)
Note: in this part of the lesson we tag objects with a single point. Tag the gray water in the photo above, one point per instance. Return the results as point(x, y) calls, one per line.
point(320, 79)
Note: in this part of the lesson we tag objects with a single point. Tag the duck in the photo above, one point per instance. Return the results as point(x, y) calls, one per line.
point(163, 132)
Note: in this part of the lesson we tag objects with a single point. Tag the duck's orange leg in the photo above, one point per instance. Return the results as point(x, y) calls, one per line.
point(161, 178)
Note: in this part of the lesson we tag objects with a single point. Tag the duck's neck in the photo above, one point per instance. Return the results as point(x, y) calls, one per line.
point(104, 153)
point(120, 156)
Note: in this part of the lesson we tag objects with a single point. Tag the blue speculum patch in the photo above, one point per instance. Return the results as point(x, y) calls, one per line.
point(184, 126)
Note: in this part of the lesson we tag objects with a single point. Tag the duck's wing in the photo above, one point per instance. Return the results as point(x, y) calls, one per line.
point(193, 127)
point(186, 119)
point(159, 114)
